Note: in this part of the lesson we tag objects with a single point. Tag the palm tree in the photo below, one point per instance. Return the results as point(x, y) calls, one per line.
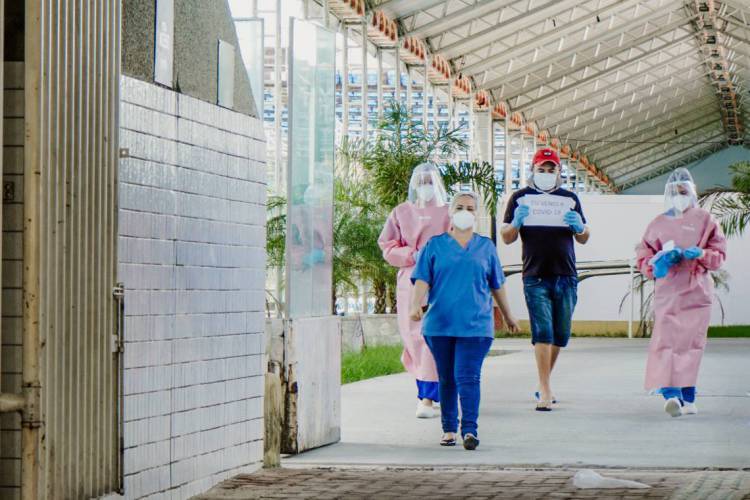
point(400, 145)
point(731, 206)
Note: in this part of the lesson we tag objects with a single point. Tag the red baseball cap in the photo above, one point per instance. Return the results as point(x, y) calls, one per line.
point(545, 155)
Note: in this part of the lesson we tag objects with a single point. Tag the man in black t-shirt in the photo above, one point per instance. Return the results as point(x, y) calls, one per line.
point(550, 279)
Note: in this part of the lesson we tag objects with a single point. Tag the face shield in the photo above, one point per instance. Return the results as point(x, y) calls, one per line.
point(680, 193)
point(426, 187)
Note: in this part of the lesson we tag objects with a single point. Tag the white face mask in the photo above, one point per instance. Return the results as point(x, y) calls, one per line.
point(545, 181)
point(426, 192)
point(463, 220)
point(682, 202)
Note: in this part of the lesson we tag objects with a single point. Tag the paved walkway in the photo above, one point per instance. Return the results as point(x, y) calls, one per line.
point(604, 418)
point(604, 421)
point(474, 484)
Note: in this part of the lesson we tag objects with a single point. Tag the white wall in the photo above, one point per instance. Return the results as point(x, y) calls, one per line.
point(617, 224)
point(192, 257)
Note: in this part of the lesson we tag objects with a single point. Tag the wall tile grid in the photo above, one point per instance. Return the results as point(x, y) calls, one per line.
point(12, 275)
point(191, 255)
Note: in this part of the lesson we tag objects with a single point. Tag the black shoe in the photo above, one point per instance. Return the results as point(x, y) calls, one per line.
point(470, 442)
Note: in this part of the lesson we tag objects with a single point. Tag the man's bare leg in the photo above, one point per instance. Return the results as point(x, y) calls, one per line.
point(543, 354)
point(555, 354)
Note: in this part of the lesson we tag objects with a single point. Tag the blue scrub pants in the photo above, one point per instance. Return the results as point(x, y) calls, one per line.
point(684, 394)
point(459, 365)
point(428, 390)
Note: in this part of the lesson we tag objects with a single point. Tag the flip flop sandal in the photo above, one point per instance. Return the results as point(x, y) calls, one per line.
point(544, 406)
point(538, 397)
point(448, 441)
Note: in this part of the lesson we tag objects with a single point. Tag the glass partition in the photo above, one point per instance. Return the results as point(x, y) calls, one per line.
point(309, 248)
point(250, 37)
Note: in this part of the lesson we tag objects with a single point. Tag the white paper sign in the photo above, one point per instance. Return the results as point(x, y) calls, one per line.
point(546, 209)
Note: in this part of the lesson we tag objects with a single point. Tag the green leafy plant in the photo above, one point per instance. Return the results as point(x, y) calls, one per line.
point(400, 145)
point(731, 206)
point(480, 176)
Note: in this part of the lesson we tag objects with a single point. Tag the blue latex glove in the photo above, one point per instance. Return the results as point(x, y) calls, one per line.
point(661, 267)
point(693, 253)
point(574, 220)
point(674, 256)
point(663, 264)
point(520, 214)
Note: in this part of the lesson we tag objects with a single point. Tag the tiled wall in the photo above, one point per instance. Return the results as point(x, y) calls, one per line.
point(191, 255)
point(12, 311)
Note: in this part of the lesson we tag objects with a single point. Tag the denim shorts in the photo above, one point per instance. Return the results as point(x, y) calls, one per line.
point(551, 301)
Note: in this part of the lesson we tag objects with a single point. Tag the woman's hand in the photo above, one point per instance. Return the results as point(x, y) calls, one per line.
point(512, 323)
point(416, 313)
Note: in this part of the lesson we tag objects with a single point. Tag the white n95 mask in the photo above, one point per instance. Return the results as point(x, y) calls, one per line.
point(463, 219)
point(426, 192)
point(682, 202)
point(545, 181)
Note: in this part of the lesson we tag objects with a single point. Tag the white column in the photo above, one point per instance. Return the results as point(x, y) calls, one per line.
point(425, 98)
point(365, 86)
point(397, 88)
point(481, 138)
point(508, 157)
point(345, 85)
point(523, 172)
point(409, 92)
point(278, 103)
point(380, 84)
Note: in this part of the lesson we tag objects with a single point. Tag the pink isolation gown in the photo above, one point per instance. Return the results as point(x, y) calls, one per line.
point(683, 298)
point(407, 230)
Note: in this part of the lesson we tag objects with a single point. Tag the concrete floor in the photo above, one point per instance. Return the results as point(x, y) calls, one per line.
point(604, 417)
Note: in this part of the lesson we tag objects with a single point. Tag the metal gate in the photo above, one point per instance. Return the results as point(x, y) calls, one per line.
point(71, 348)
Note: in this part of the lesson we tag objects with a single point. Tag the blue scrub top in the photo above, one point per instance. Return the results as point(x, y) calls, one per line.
point(460, 280)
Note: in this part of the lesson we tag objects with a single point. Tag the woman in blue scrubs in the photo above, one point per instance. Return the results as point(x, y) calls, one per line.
point(462, 273)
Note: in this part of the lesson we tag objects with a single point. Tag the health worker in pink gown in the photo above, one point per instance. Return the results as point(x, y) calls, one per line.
point(679, 249)
point(408, 228)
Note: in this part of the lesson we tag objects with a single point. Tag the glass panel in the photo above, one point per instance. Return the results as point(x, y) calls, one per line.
point(310, 175)
point(250, 38)
point(226, 74)
point(164, 53)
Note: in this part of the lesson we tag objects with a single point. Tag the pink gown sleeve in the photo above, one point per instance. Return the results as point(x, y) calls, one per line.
point(715, 248)
point(395, 252)
point(643, 253)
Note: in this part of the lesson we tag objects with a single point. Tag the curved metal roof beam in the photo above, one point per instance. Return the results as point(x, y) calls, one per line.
point(521, 72)
point(600, 58)
point(649, 163)
point(626, 95)
point(657, 128)
point(520, 22)
point(493, 61)
point(680, 161)
point(617, 67)
point(611, 166)
point(698, 93)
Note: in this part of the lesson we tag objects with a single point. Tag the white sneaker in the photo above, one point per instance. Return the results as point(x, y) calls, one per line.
point(673, 407)
point(424, 411)
point(689, 409)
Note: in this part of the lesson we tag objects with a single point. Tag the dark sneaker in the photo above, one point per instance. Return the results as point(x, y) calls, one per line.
point(470, 442)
